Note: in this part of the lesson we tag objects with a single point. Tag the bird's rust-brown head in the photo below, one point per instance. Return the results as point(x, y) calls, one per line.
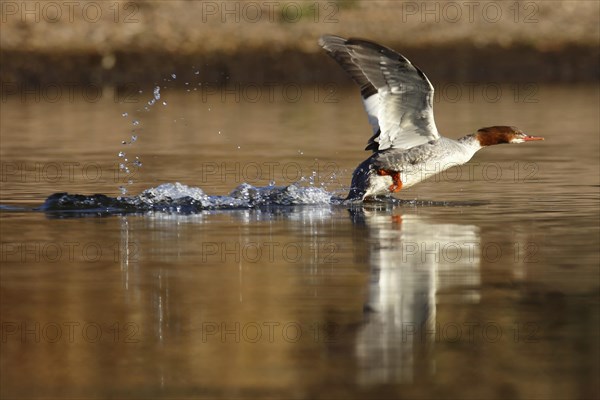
point(503, 134)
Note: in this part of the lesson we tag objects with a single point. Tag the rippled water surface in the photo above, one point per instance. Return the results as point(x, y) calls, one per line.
point(482, 284)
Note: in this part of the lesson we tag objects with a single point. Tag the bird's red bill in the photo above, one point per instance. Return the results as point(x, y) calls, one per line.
point(532, 138)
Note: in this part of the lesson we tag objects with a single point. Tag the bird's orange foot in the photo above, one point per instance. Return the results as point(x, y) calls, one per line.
point(397, 185)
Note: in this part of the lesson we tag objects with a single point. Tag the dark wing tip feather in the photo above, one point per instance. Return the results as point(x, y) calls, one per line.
point(329, 41)
point(367, 44)
point(385, 51)
point(367, 90)
point(337, 48)
point(373, 144)
point(421, 73)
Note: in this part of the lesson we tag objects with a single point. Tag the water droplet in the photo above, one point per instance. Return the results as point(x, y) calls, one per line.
point(239, 147)
point(133, 138)
point(124, 114)
point(197, 72)
point(121, 154)
point(173, 76)
point(157, 93)
point(151, 102)
point(135, 122)
point(164, 103)
point(137, 163)
point(187, 83)
point(219, 132)
point(123, 142)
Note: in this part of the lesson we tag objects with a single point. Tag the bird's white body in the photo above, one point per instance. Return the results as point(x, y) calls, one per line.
point(414, 165)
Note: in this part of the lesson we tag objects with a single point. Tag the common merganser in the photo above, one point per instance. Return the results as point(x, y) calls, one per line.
point(398, 98)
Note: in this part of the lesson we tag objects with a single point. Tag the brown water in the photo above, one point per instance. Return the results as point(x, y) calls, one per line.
point(498, 299)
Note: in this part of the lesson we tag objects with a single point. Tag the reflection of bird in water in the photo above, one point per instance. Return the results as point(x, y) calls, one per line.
point(398, 98)
point(412, 259)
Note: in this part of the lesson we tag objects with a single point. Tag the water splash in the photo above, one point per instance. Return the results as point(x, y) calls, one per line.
point(180, 198)
point(171, 191)
point(125, 166)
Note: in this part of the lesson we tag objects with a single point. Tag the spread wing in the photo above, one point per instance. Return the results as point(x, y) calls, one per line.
point(397, 96)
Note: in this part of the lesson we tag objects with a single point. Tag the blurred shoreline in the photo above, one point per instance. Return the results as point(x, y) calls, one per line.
point(492, 64)
point(260, 42)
